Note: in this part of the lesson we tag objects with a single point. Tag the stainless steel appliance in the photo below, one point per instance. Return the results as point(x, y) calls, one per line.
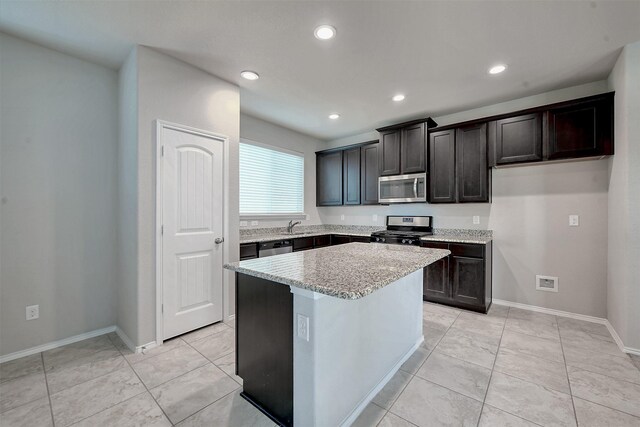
point(402, 188)
point(274, 248)
point(404, 230)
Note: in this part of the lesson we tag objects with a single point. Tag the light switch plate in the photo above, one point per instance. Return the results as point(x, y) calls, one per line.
point(375, 218)
point(302, 326)
point(254, 222)
point(243, 223)
point(476, 219)
point(341, 217)
point(574, 220)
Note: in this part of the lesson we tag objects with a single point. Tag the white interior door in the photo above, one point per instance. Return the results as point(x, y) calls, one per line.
point(192, 219)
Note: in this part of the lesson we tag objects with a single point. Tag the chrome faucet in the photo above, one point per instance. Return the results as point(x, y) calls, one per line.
point(291, 225)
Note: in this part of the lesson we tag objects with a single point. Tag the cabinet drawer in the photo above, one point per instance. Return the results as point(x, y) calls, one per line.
point(467, 250)
point(302, 243)
point(434, 245)
point(361, 239)
point(248, 251)
point(320, 241)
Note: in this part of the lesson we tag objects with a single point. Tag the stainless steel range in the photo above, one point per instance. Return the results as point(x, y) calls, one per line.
point(404, 230)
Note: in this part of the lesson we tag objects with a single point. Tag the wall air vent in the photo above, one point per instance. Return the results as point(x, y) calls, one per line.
point(546, 283)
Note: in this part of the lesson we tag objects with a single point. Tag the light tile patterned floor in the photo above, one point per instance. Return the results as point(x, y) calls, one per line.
point(508, 368)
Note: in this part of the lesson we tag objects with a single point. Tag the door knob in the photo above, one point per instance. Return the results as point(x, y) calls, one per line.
point(219, 240)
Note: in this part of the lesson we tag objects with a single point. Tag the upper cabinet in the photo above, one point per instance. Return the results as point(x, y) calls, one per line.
point(413, 156)
point(458, 169)
point(329, 178)
point(566, 130)
point(472, 171)
point(403, 147)
point(347, 176)
point(389, 152)
point(581, 129)
point(516, 139)
point(351, 176)
point(369, 174)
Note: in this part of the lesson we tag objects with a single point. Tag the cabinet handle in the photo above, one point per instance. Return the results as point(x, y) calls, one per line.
point(415, 188)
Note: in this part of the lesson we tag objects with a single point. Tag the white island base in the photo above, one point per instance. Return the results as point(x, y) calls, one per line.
point(354, 348)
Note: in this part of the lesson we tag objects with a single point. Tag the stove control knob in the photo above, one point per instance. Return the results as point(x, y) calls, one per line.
point(404, 240)
point(410, 242)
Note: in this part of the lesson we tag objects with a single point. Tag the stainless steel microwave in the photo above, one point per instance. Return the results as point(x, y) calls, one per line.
point(402, 188)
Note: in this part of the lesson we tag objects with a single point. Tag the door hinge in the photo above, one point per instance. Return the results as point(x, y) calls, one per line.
point(162, 230)
point(162, 308)
point(162, 151)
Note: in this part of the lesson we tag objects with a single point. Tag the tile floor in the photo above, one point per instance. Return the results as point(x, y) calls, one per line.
point(508, 368)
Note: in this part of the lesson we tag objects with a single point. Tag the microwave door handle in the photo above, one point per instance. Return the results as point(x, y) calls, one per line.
point(415, 188)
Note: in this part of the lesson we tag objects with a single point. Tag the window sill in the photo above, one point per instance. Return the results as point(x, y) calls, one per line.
point(273, 217)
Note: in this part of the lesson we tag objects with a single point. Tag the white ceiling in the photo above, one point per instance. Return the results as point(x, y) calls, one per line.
point(436, 52)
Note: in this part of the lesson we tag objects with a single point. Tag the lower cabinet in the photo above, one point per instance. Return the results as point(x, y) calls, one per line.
point(248, 251)
point(339, 239)
point(463, 279)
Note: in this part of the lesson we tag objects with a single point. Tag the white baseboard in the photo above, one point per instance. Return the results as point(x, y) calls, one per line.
point(56, 344)
point(577, 316)
point(130, 345)
point(374, 392)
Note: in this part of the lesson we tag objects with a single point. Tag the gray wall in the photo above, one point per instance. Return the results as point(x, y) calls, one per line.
point(59, 135)
point(529, 216)
point(171, 90)
point(264, 132)
point(623, 281)
point(127, 295)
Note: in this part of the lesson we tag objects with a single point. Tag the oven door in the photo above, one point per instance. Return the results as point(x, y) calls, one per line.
point(402, 188)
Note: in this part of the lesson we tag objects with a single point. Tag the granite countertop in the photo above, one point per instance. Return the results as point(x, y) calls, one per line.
point(348, 271)
point(480, 237)
point(279, 233)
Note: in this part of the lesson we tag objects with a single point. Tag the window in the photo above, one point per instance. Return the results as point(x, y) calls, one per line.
point(271, 181)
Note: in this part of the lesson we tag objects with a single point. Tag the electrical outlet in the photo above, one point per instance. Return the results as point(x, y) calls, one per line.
point(574, 220)
point(243, 223)
point(341, 217)
point(375, 218)
point(546, 283)
point(33, 312)
point(254, 222)
point(476, 219)
point(303, 326)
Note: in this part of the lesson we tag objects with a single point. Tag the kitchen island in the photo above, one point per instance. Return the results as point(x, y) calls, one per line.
point(320, 332)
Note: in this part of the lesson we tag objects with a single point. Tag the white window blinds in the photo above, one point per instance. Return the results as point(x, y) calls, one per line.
point(271, 181)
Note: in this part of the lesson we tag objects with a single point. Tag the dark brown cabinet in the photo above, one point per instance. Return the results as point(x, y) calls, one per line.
point(581, 129)
point(442, 167)
point(472, 172)
point(458, 169)
point(351, 176)
point(248, 251)
point(369, 173)
point(463, 279)
point(516, 139)
point(412, 149)
point(302, 244)
point(389, 152)
point(403, 147)
point(329, 178)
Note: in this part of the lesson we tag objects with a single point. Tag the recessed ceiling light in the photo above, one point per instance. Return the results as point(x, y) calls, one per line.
point(325, 32)
point(334, 116)
point(249, 75)
point(399, 97)
point(497, 69)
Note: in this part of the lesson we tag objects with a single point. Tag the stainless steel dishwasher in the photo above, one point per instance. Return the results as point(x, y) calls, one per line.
point(274, 248)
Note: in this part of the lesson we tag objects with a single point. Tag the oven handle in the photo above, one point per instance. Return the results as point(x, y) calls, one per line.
point(415, 188)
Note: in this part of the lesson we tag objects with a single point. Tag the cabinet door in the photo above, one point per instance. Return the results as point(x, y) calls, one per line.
point(412, 149)
point(248, 251)
point(435, 286)
point(581, 130)
point(351, 176)
point(467, 280)
point(389, 153)
point(302, 244)
point(471, 164)
point(329, 179)
point(369, 173)
point(337, 239)
point(442, 161)
point(517, 139)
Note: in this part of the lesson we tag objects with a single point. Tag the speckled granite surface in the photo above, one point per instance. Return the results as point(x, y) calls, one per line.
point(481, 237)
point(348, 271)
point(254, 235)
